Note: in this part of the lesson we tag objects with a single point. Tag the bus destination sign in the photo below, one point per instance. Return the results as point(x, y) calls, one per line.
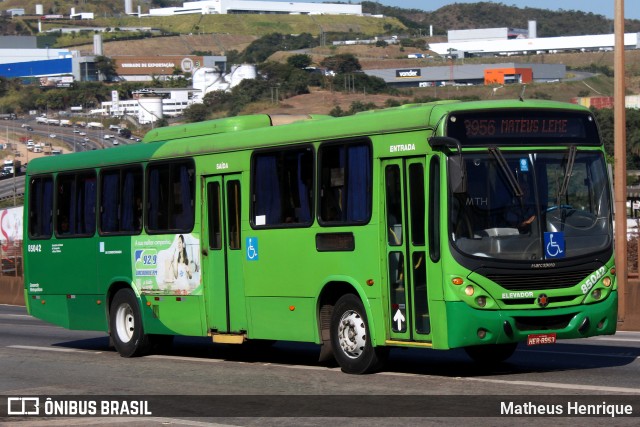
point(517, 127)
point(547, 127)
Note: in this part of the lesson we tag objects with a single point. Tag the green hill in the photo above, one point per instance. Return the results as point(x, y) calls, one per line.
point(459, 16)
point(453, 16)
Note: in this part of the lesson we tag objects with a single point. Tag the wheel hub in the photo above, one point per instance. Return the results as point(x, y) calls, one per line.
point(352, 334)
point(125, 323)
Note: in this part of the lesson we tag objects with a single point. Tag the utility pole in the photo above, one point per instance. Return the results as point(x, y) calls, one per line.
point(620, 154)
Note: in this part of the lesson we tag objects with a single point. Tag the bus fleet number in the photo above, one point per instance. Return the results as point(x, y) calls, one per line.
point(34, 248)
point(480, 127)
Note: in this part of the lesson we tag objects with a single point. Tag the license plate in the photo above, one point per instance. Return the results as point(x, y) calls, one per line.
point(537, 339)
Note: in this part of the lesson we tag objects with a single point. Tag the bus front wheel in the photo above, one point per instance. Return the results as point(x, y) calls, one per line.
point(125, 325)
point(350, 338)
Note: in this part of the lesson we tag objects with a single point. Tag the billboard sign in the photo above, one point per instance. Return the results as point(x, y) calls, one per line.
point(162, 65)
point(56, 81)
point(408, 74)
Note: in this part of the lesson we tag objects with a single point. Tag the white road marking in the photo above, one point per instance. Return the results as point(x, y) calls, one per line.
point(563, 386)
point(183, 358)
point(61, 350)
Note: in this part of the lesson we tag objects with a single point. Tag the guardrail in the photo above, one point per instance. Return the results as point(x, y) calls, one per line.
point(17, 193)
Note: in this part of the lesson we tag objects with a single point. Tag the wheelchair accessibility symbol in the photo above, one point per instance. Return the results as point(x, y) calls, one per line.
point(554, 245)
point(252, 248)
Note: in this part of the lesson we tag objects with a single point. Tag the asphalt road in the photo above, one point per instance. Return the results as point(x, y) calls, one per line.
point(199, 383)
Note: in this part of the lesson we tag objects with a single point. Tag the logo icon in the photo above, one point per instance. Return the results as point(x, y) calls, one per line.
point(543, 300)
point(23, 406)
point(252, 248)
point(554, 244)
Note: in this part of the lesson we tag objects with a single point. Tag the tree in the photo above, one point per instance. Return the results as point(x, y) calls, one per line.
point(105, 67)
point(342, 63)
point(259, 50)
point(299, 60)
point(217, 100)
point(160, 123)
point(196, 113)
point(290, 80)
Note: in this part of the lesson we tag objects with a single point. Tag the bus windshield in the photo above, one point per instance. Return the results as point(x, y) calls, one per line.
point(532, 205)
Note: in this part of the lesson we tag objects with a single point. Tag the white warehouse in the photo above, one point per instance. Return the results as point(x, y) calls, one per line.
point(206, 7)
point(534, 45)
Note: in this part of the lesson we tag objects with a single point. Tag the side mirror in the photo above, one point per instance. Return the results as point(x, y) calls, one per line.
point(457, 170)
point(456, 167)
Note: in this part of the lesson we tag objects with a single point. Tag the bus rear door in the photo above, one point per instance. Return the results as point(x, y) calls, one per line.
point(222, 256)
point(406, 254)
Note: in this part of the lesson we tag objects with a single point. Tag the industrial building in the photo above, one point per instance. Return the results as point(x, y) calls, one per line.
point(207, 7)
point(475, 74)
point(507, 42)
point(146, 68)
point(486, 34)
point(149, 105)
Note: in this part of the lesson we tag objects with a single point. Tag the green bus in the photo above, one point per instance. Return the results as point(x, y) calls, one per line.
point(475, 225)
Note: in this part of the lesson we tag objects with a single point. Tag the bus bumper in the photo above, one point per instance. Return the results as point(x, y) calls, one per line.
point(468, 326)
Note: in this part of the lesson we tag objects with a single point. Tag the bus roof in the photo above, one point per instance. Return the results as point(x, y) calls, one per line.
point(262, 130)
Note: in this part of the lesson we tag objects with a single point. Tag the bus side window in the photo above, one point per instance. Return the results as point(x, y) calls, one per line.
point(281, 185)
point(41, 208)
point(214, 215)
point(345, 182)
point(394, 206)
point(76, 204)
point(233, 213)
point(121, 200)
point(171, 192)
point(131, 200)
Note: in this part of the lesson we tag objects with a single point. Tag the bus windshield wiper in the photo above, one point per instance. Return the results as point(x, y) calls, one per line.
point(568, 171)
point(504, 166)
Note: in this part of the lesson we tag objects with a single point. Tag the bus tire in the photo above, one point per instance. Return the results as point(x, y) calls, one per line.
point(350, 338)
point(125, 325)
point(491, 353)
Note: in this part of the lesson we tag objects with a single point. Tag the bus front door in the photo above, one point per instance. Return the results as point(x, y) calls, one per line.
point(404, 200)
point(222, 255)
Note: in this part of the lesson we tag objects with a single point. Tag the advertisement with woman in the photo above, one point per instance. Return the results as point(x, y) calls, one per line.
point(167, 265)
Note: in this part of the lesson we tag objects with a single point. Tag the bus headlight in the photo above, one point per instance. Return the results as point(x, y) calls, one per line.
point(596, 294)
point(606, 281)
point(481, 301)
point(469, 290)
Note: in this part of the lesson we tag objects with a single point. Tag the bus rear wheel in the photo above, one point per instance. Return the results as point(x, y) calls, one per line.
point(125, 325)
point(351, 340)
point(491, 353)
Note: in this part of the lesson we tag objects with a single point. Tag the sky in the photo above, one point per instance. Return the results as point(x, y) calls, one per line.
point(600, 7)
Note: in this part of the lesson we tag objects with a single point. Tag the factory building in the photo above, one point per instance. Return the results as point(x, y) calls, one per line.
point(207, 7)
point(473, 74)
